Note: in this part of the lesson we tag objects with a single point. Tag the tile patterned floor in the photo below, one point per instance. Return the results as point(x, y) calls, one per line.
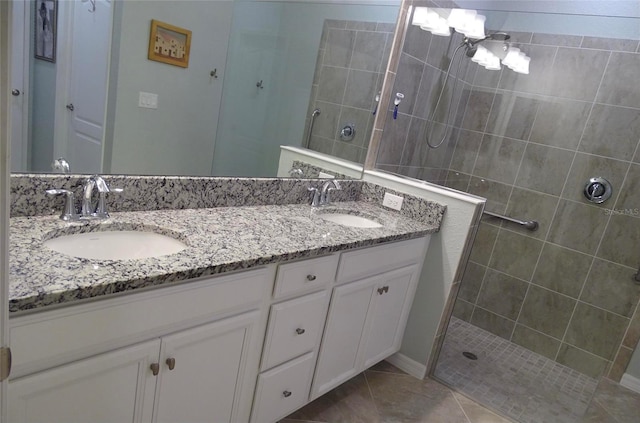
point(512, 380)
point(385, 394)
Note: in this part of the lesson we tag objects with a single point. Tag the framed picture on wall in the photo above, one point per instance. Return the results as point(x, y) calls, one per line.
point(46, 18)
point(169, 44)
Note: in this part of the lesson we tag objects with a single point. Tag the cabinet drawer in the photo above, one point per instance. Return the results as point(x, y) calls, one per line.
point(305, 276)
point(375, 260)
point(295, 327)
point(282, 390)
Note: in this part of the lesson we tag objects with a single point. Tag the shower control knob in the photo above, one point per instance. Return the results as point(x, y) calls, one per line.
point(598, 190)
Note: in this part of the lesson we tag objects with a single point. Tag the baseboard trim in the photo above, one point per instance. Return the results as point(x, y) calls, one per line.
point(627, 381)
point(408, 365)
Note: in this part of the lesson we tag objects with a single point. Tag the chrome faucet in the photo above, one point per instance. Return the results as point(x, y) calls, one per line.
point(322, 196)
point(325, 193)
point(100, 211)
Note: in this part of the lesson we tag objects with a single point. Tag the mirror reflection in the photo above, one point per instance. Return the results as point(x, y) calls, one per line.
point(256, 72)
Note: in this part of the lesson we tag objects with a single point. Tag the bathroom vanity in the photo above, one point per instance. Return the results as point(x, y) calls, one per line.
point(266, 309)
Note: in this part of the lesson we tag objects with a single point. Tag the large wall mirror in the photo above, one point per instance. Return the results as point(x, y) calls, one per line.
point(257, 71)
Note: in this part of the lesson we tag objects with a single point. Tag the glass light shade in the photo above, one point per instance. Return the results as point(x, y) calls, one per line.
point(440, 28)
point(461, 19)
point(481, 56)
point(522, 66)
point(511, 59)
point(420, 16)
point(476, 28)
point(493, 63)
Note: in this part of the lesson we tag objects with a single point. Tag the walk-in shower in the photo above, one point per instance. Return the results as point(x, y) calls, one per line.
point(553, 309)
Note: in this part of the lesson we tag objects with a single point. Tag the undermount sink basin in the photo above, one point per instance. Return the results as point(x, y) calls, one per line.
point(347, 219)
point(115, 245)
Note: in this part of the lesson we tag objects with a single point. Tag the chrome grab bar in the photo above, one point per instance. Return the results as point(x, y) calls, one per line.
point(532, 225)
point(315, 113)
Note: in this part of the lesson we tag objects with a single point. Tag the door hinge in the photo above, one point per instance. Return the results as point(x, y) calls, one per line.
point(5, 363)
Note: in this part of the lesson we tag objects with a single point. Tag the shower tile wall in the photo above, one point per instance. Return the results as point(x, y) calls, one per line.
point(349, 73)
point(528, 143)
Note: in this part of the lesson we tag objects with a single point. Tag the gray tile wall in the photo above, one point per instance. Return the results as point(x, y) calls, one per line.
point(528, 143)
point(349, 73)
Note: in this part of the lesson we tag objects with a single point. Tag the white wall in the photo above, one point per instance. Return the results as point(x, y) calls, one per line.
point(176, 138)
point(614, 19)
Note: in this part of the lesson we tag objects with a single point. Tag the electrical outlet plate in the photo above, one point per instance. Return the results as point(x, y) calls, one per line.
point(392, 201)
point(148, 100)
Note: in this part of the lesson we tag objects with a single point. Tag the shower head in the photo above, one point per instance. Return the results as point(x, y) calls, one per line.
point(498, 36)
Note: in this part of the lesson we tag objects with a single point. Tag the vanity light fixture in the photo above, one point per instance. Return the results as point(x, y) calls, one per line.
point(468, 22)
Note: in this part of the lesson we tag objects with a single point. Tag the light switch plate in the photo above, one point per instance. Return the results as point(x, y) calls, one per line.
point(148, 100)
point(392, 201)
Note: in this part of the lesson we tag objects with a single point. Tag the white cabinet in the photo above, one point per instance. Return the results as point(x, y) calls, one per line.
point(111, 387)
point(201, 372)
point(197, 376)
point(365, 324)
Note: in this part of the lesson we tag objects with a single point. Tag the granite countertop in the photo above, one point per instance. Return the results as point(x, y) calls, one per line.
point(219, 240)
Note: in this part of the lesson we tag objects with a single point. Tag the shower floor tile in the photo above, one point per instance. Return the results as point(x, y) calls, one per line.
point(514, 381)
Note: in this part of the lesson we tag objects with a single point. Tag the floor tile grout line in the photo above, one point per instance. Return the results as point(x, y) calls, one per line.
point(373, 400)
point(451, 392)
point(606, 410)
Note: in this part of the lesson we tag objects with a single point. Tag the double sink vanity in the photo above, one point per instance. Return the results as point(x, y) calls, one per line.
point(261, 308)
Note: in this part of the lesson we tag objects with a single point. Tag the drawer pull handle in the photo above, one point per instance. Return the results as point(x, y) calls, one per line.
point(155, 368)
point(383, 290)
point(171, 363)
point(286, 394)
point(311, 277)
point(299, 331)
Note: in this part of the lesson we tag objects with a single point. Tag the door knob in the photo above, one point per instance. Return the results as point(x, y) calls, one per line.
point(70, 107)
point(15, 92)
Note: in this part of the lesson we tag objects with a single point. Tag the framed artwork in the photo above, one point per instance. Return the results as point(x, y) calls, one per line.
point(46, 20)
point(169, 44)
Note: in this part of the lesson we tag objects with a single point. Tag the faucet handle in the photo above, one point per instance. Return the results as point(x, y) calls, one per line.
point(69, 211)
point(101, 210)
point(315, 201)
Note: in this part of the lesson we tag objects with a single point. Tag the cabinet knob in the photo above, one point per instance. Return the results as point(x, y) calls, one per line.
point(380, 291)
point(171, 363)
point(386, 288)
point(311, 277)
point(299, 331)
point(286, 394)
point(155, 368)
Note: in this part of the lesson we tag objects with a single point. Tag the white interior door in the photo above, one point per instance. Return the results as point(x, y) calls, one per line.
point(83, 107)
point(19, 85)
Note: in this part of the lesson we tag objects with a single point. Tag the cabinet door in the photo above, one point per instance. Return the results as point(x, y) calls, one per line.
point(388, 315)
point(338, 357)
point(202, 372)
point(113, 387)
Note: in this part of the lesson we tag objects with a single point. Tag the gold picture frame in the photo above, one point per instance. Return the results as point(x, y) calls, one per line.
point(169, 44)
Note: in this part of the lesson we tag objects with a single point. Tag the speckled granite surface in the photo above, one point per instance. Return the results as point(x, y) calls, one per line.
point(220, 239)
point(311, 171)
point(28, 197)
